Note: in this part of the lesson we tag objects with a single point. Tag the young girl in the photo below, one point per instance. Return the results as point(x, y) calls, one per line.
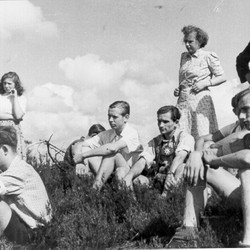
point(12, 106)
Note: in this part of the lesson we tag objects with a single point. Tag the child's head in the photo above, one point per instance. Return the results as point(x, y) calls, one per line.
point(8, 79)
point(8, 137)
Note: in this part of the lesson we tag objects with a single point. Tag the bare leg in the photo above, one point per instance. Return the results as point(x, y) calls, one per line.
point(245, 191)
point(106, 169)
point(94, 164)
point(108, 165)
point(196, 198)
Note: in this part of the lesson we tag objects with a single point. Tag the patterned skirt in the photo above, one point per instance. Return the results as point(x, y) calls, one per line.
point(20, 139)
point(198, 116)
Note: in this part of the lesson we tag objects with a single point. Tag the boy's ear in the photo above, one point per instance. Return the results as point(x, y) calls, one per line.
point(5, 148)
point(126, 116)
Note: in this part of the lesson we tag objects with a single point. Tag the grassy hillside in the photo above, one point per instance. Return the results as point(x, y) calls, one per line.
point(114, 218)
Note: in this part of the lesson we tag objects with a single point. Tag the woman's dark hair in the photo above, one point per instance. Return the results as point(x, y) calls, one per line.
point(175, 113)
point(95, 129)
point(15, 78)
point(201, 35)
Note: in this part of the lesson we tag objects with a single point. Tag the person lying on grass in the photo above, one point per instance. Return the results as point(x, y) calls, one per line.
point(113, 150)
point(24, 201)
point(80, 168)
point(206, 165)
point(163, 158)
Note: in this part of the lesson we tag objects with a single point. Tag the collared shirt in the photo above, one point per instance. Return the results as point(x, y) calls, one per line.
point(199, 66)
point(185, 142)
point(129, 135)
point(23, 190)
point(231, 128)
point(228, 133)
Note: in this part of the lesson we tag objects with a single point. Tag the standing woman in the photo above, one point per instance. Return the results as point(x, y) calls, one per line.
point(12, 106)
point(199, 70)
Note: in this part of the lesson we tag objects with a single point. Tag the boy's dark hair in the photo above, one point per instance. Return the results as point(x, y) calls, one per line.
point(235, 100)
point(175, 113)
point(124, 106)
point(8, 136)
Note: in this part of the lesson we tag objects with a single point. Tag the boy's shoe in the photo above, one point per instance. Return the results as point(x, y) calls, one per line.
point(183, 236)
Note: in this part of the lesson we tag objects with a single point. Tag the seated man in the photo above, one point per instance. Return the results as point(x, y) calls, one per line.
point(206, 164)
point(24, 201)
point(118, 148)
point(80, 168)
point(242, 66)
point(165, 154)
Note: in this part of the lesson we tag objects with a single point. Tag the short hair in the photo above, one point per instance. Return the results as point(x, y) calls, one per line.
point(201, 36)
point(235, 100)
point(15, 78)
point(124, 106)
point(95, 129)
point(8, 136)
point(175, 113)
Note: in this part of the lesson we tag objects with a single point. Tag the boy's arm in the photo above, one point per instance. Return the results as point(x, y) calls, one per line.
point(107, 149)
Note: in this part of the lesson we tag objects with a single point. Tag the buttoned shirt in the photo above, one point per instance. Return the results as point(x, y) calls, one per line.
point(129, 135)
point(23, 190)
point(183, 141)
point(199, 66)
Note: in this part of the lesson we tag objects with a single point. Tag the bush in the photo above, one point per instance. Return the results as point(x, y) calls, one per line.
point(114, 217)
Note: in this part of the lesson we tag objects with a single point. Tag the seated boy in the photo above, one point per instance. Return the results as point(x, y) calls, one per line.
point(24, 203)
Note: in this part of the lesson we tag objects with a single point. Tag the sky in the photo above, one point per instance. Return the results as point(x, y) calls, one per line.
point(76, 57)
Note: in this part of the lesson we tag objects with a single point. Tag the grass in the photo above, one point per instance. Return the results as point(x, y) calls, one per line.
point(114, 219)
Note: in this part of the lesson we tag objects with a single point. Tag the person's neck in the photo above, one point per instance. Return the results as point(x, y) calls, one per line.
point(119, 131)
point(168, 135)
point(8, 160)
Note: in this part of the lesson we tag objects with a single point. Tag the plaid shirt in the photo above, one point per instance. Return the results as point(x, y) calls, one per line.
point(23, 190)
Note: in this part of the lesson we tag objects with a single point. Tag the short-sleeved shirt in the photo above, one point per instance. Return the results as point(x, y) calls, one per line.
point(6, 105)
point(23, 190)
point(228, 133)
point(199, 66)
point(129, 135)
point(231, 128)
point(184, 141)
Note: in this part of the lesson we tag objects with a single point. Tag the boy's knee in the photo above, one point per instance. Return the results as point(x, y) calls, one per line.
point(121, 172)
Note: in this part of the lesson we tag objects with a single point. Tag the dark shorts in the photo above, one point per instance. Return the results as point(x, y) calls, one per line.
point(17, 231)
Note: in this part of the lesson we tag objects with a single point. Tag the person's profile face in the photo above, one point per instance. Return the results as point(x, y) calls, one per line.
point(243, 111)
point(116, 120)
point(165, 123)
point(191, 43)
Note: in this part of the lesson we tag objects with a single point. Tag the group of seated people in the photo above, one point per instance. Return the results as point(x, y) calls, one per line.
point(169, 159)
point(221, 159)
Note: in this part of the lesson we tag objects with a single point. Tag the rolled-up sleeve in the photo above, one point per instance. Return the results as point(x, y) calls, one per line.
point(10, 184)
point(186, 143)
point(214, 64)
point(131, 138)
point(149, 154)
